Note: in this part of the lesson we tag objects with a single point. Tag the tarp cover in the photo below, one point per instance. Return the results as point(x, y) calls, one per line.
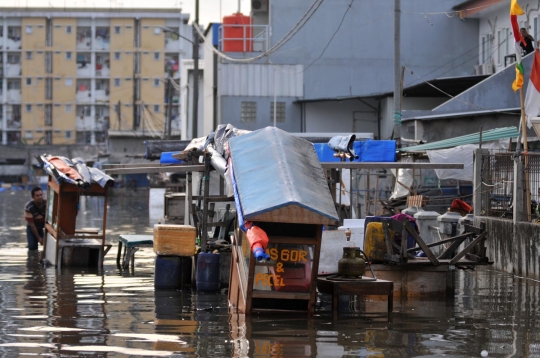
point(274, 170)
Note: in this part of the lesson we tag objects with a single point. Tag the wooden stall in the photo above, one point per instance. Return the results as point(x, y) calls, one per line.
point(64, 242)
point(280, 187)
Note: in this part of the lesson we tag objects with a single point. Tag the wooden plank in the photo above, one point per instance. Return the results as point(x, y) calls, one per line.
point(156, 169)
point(421, 243)
point(390, 165)
point(215, 198)
point(473, 229)
point(453, 247)
point(468, 248)
point(281, 295)
point(438, 243)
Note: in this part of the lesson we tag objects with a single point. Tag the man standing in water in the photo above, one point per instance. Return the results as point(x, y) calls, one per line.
point(34, 214)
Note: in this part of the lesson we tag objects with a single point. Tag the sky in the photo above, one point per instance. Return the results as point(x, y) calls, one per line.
point(209, 10)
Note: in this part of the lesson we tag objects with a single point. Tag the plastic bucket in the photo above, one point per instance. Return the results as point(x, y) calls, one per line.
point(208, 272)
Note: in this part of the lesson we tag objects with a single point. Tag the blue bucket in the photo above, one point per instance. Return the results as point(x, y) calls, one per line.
point(172, 272)
point(208, 272)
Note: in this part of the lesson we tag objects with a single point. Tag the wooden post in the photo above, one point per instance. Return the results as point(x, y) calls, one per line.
point(526, 155)
point(478, 186)
point(518, 191)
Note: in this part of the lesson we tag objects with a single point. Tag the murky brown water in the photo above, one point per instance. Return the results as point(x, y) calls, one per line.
point(116, 314)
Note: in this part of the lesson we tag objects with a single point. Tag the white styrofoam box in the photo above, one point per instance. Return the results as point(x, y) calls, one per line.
point(357, 230)
point(332, 244)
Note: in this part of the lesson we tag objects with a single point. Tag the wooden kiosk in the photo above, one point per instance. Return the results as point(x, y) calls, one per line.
point(86, 247)
point(281, 188)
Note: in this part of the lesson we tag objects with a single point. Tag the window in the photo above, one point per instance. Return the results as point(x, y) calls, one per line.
point(249, 112)
point(28, 55)
point(156, 82)
point(68, 134)
point(69, 55)
point(156, 108)
point(29, 82)
point(68, 108)
point(13, 59)
point(29, 29)
point(486, 48)
point(117, 82)
point(117, 55)
point(157, 30)
point(69, 29)
point(28, 108)
point(280, 112)
point(69, 81)
point(28, 134)
point(117, 30)
point(156, 55)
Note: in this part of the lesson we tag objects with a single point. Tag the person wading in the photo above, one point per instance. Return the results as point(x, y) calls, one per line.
point(34, 214)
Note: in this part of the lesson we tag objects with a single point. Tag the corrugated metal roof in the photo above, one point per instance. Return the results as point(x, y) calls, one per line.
point(494, 134)
point(257, 80)
point(409, 115)
point(275, 170)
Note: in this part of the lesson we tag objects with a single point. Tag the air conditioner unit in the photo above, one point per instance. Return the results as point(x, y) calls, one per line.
point(478, 69)
point(487, 69)
point(259, 5)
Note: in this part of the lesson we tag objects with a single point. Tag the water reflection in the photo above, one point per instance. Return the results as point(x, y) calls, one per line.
point(118, 314)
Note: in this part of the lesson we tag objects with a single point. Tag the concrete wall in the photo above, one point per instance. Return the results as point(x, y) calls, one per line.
point(233, 112)
point(359, 60)
point(515, 253)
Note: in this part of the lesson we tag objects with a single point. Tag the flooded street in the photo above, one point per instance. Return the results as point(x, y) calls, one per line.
point(117, 314)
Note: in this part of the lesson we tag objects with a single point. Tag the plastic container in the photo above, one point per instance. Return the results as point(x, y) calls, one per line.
point(448, 223)
point(208, 272)
point(412, 210)
point(374, 244)
point(172, 272)
point(237, 33)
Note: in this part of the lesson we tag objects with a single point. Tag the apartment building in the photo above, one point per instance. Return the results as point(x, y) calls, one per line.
point(69, 76)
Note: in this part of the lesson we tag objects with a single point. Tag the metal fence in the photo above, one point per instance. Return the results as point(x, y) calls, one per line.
point(497, 185)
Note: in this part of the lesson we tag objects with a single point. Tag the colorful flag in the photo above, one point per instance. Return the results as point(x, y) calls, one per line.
point(516, 10)
point(532, 97)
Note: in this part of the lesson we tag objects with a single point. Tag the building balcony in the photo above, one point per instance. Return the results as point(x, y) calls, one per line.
point(102, 96)
point(84, 70)
point(102, 39)
point(13, 137)
point(84, 96)
point(84, 38)
point(13, 70)
point(13, 122)
point(103, 70)
point(13, 43)
point(84, 123)
point(14, 96)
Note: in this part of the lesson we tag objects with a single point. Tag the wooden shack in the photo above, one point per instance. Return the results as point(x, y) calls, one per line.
point(84, 247)
point(280, 187)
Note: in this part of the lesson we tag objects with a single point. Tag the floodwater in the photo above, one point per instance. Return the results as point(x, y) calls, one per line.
point(118, 314)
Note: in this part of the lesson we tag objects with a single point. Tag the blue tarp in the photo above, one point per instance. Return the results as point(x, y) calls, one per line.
point(367, 151)
point(273, 170)
point(167, 158)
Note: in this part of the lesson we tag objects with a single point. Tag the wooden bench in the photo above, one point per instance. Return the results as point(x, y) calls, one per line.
point(357, 288)
point(132, 244)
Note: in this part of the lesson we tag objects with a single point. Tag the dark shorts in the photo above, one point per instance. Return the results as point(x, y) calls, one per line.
point(31, 238)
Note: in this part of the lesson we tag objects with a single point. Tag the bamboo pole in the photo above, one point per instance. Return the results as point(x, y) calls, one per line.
point(527, 185)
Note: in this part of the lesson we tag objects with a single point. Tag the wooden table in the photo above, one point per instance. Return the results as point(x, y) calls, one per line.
point(357, 288)
point(132, 244)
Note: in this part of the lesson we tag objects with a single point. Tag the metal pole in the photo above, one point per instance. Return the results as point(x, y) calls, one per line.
point(168, 123)
point(275, 96)
point(397, 71)
point(195, 72)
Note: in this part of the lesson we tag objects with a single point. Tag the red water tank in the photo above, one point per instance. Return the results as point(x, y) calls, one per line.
point(237, 33)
